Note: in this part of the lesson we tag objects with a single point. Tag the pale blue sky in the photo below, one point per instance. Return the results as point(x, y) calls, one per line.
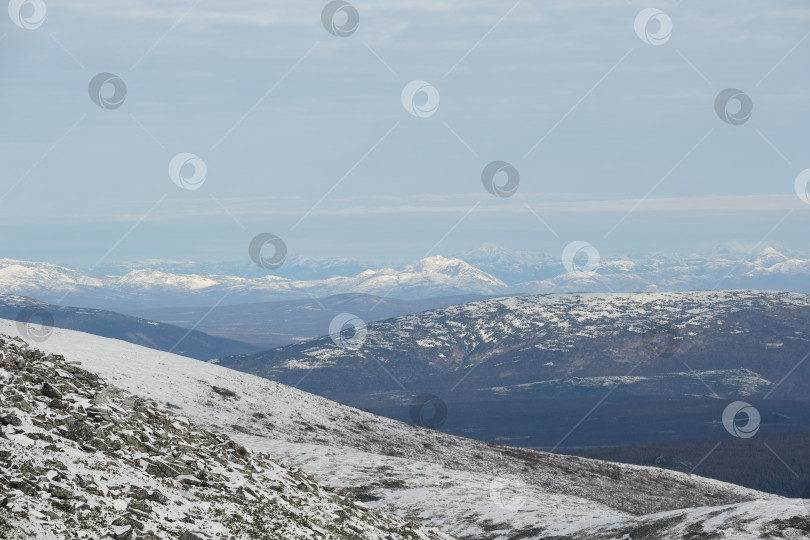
point(304, 134)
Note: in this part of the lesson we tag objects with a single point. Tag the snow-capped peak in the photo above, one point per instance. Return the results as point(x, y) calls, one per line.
point(769, 257)
point(149, 279)
point(438, 264)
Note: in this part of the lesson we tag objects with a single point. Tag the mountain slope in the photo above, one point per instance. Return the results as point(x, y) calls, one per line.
point(149, 333)
point(86, 459)
point(480, 490)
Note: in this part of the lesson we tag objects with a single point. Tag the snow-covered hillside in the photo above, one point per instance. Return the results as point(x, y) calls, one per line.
point(83, 459)
point(470, 489)
point(562, 339)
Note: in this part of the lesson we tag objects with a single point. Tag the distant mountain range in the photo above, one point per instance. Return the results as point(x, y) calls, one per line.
point(484, 271)
point(152, 287)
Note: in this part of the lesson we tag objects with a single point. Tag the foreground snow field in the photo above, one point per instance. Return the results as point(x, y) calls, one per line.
point(466, 488)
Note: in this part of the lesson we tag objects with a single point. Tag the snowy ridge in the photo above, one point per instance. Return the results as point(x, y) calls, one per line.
point(22, 275)
point(433, 276)
point(452, 340)
point(442, 480)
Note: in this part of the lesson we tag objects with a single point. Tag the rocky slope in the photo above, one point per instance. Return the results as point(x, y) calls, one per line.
point(83, 459)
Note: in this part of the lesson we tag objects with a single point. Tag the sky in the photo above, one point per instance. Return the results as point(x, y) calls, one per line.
point(369, 141)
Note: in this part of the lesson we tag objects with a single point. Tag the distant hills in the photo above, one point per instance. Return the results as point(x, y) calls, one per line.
point(486, 271)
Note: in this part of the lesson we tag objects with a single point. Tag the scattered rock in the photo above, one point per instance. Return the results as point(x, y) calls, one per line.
point(87, 466)
point(10, 420)
point(158, 497)
point(50, 391)
point(60, 491)
point(224, 392)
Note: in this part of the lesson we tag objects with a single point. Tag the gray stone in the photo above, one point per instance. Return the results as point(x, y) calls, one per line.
point(48, 390)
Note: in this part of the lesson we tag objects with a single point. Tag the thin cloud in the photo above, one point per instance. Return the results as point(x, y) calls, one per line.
point(183, 210)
